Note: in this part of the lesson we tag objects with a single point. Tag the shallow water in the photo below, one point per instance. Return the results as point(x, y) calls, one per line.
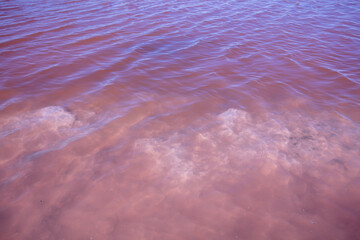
point(179, 120)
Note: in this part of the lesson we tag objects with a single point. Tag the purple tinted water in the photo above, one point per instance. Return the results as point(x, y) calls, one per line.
point(179, 120)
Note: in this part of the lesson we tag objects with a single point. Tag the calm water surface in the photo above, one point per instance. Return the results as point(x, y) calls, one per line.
point(180, 119)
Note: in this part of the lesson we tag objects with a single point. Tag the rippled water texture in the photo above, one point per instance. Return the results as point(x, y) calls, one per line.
point(180, 119)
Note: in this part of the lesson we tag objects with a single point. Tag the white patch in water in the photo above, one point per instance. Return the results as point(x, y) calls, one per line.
point(55, 117)
point(36, 131)
point(232, 119)
point(240, 142)
point(168, 156)
point(231, 116)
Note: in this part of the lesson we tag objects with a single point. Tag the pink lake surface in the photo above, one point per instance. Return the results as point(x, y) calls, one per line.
point(180, 120)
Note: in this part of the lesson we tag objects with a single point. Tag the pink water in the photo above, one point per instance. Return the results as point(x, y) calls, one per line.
point(180, 119)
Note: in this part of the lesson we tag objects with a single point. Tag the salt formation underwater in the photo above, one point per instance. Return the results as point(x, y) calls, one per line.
point(230, 175)
point(37, 130)
point(278, 141)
